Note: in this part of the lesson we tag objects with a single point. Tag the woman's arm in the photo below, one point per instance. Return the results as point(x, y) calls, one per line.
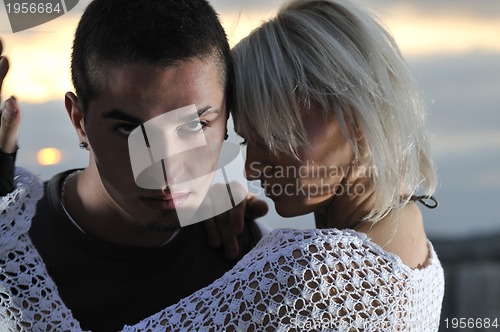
point(29, 300)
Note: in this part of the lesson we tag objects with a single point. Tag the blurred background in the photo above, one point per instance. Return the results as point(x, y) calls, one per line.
point(453, 47)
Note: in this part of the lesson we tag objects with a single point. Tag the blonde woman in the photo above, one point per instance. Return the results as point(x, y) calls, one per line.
point(334, 126)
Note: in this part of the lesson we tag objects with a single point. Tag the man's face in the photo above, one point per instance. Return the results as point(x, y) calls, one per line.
point(133, 94)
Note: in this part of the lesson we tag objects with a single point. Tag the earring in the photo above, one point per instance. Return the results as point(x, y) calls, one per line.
point(226, 136)
point(83, 145)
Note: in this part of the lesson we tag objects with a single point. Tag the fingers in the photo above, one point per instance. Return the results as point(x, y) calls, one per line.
point(10, 122)
point(225, 228)
point(212, 230)
point(220, 233)
point(230, 224)
point(256, 207)
point(9, 127)
point(236, 222)
point(4, 68)
point(10, 117)
point(231, 245)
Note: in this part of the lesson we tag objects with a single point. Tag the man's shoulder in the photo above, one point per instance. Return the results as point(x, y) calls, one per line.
point(52, 192)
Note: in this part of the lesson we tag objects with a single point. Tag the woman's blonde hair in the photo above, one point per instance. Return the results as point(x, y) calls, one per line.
point(331, 55)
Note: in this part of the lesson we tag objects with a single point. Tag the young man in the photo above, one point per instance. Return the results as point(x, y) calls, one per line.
point(115, 250)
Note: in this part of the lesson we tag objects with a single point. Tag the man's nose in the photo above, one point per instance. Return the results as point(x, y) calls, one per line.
point(172, 170)
point(183, 162)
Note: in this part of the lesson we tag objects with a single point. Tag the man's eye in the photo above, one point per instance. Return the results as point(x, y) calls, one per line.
point(192, 127)
point(195, 125)
point(125, 130)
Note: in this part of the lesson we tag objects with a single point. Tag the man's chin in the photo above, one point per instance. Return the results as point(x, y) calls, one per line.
point(163, 226)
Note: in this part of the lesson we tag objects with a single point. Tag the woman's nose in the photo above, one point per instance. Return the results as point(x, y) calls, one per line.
point(252, 164)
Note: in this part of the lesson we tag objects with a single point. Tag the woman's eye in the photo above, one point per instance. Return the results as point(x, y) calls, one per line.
point(125, 130)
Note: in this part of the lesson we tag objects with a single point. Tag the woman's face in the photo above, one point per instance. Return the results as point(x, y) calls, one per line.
point(303, 186)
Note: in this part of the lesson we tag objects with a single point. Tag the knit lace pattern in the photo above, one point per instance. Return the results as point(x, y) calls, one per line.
point(28, 297)
point(313, 280)
point(293, 280)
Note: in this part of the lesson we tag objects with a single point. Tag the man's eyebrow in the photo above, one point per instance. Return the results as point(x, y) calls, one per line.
point(205, 108)
point(120, 115)
point(200, 112)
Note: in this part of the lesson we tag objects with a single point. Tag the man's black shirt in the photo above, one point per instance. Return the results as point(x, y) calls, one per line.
point(107, 286)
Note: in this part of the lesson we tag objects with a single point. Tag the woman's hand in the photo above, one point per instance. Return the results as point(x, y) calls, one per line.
point(224, 229)
point(10, 122)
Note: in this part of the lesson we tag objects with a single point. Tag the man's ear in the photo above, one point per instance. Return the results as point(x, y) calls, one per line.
point(76, 116)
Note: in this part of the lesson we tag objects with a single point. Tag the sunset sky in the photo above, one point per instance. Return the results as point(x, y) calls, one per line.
point(40, 56)
point(453, 46)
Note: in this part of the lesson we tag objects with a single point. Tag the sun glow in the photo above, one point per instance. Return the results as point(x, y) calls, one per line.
point(40, 61)
point(49, 156)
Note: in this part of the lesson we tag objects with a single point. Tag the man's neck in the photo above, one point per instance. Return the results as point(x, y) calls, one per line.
point(97, 214)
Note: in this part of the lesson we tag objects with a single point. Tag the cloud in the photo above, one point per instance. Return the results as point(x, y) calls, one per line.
point(40, 60)
point(462, 92)
point(244, 5)
point(484, 9)
point(446, 145)
point(419, 27)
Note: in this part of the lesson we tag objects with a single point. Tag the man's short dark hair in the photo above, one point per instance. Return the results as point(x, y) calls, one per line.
point(153, 32)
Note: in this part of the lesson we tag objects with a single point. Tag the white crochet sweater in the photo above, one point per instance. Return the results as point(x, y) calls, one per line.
point(294, 280)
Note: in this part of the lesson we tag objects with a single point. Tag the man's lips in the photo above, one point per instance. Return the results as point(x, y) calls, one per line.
point(166, 201)
point(164, 196)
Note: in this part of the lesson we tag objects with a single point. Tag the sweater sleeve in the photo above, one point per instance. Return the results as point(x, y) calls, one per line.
point(305, 281)
point(326, 280)
point(29, 300)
